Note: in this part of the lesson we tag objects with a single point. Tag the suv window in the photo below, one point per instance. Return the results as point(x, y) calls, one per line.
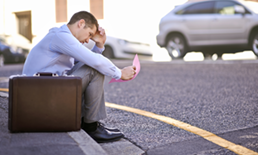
point(199, 8)
point(226, 8)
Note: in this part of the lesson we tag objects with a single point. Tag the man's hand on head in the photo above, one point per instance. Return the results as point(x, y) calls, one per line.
point(100, 37)
point(128, 72)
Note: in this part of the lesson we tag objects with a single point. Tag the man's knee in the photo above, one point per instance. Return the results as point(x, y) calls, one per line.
point(98, 75)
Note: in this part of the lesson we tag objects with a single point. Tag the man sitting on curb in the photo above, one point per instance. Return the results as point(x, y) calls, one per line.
point(56, 53)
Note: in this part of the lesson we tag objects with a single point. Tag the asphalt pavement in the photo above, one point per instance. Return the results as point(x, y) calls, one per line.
point(216, 96)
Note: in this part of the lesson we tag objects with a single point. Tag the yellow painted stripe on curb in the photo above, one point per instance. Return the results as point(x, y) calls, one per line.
point(4, 89)
point(203, 133)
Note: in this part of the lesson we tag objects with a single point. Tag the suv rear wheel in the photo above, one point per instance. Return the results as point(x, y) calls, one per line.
point(255, 43)
point(1, 60)
point(176, 46)
point(108, 52)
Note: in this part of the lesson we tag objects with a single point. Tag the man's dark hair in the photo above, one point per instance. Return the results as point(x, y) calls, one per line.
point(89, 19)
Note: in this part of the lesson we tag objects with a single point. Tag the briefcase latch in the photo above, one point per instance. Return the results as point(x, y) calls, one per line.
point(46, 74)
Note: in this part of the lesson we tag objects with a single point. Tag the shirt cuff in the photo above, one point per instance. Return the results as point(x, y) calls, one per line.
point(119, 73)
point(96, 49)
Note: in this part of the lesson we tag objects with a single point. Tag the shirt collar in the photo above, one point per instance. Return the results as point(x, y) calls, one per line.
point(65, 27)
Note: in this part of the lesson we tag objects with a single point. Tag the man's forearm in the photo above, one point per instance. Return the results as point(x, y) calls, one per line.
point(100, 45)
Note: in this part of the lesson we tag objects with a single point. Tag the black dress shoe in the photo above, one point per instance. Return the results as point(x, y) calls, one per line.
point(102, 135)
point(108, 128)
point(99, 123)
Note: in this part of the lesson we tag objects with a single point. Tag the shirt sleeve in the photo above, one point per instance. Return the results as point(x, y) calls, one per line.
point(96, 49)
point(67, 44)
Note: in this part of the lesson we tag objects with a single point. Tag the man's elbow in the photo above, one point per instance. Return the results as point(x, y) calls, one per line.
point(97, 64)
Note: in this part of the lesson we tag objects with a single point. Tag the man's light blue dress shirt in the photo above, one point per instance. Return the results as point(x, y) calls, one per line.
point(56, 53)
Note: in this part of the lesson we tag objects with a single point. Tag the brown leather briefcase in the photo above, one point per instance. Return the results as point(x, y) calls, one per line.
point(44, 103)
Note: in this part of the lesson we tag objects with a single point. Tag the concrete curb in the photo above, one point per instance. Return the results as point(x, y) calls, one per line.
point(3, 94)
point(86, 143)
point(91, 147)
point(121, 147)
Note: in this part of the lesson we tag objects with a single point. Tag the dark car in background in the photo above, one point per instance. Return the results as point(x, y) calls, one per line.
point(10, 54)
point(211, 27)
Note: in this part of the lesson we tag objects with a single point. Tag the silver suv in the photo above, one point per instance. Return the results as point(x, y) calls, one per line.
point(212, 27)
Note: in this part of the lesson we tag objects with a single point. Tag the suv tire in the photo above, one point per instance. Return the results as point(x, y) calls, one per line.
point(254, 42)
point(176, 46)
point(1, 60)
point(207, 55)
point(108, 52)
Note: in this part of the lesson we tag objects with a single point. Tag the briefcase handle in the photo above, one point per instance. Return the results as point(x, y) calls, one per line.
point(46, 74)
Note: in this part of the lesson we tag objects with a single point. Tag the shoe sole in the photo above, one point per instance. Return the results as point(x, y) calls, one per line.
point(113, 130)
point(108, 140)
